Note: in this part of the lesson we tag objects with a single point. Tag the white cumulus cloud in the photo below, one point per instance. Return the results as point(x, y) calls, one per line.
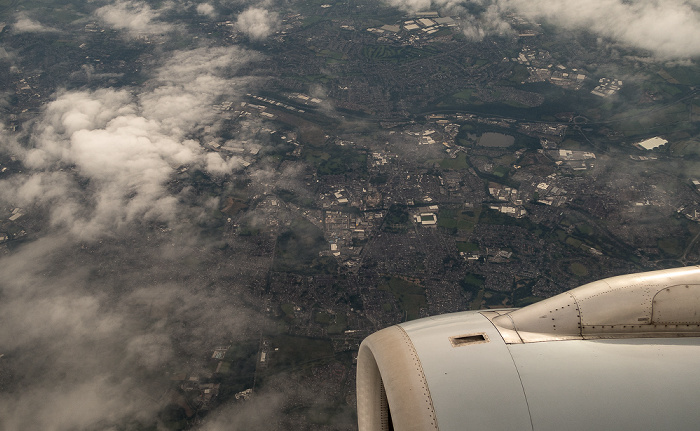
point(206, 9)
point(490, 22)
point(257, 23)
point(135, 17)
point(669, 29)
point(126, 147)
point(24, 24)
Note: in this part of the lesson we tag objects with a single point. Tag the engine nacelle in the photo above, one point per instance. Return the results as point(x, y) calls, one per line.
point(621, 353)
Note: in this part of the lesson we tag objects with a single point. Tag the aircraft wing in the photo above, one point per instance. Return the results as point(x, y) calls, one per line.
point(621, 353)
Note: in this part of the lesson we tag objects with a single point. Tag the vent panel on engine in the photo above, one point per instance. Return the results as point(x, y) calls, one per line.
point(463, 340)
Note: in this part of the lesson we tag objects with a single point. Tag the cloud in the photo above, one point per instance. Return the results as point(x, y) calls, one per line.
point(98, 305)
point(91, 342)
point(126, 157)
point(6, 56)
point(664, 27)
point(261, 412)
point(218, 165)
point(257, 23)
point(489, 22)
point(190, 81)
point(24, 24)
point(79, 406)
point(135, 17)
point(60, 335)
point(413, 6)
point(101, 159)
point(206, 9)
point(410, 5)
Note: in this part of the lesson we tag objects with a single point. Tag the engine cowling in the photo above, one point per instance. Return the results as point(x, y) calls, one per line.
point(620, 353)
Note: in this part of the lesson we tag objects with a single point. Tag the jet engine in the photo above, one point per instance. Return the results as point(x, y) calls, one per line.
point(621, 353)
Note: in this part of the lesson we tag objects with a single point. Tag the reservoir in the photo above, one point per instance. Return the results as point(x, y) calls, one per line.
point(499, 140)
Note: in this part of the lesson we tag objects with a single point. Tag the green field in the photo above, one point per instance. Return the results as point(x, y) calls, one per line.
point(578, 269)
point(463, 220)
point(671, 247)
point(335, 160)
point(458, 163)
point(299, 351)
point(334, 323)
point(467, 97)
point(411, 296)
point(570, 144)
point(585, 229)
point(464, 94)
point(467, 247)
point(520, 74)
point(501, 171)
point(686, 75)
point(472, 282)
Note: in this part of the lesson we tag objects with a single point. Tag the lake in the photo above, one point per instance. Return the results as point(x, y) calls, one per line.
point(499, 140)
